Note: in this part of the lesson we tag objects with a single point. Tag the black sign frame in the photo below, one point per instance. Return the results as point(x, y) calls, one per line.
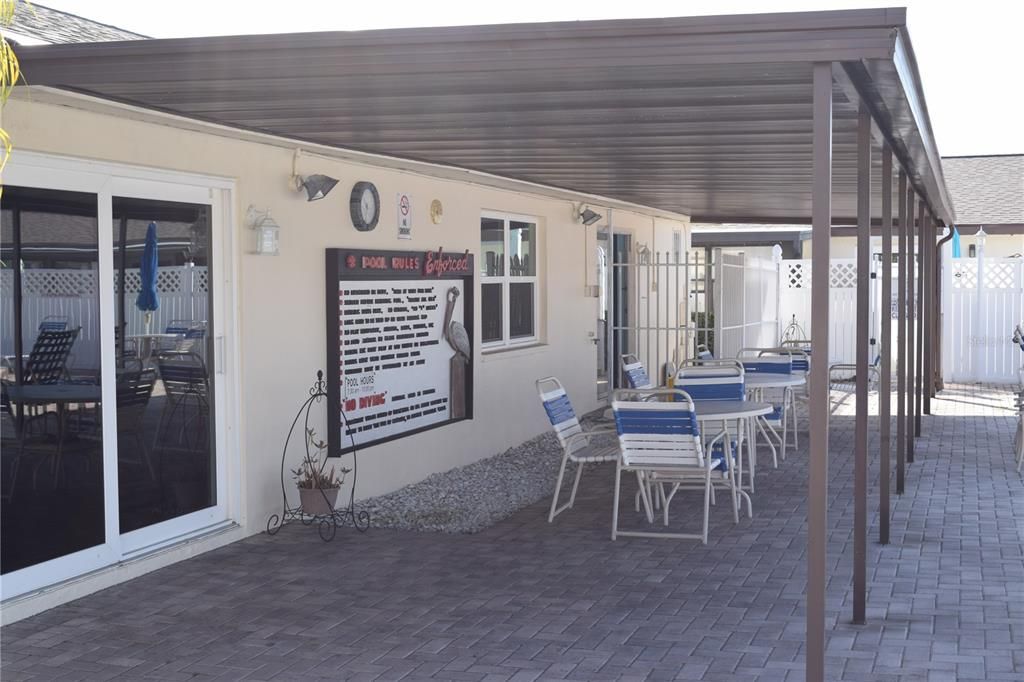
point(346, 265)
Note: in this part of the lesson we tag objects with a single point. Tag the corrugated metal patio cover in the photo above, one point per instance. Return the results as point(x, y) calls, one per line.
point(707, 116)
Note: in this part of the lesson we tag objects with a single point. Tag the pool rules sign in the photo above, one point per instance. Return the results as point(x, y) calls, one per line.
point(399, 344)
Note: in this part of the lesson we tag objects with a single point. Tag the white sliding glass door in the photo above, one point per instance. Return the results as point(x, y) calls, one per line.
point(114, 359)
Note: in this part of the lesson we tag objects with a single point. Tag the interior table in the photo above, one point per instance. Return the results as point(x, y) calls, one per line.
point(60, 395)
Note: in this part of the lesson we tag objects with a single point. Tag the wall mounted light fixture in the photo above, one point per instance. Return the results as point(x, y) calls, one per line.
point(584, 215)
point(317, 186)
point(268, 232)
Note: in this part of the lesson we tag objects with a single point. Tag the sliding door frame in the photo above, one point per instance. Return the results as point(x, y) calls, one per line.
point(106, 181)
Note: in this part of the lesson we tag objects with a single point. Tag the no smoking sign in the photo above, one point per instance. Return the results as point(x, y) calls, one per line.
point(404, 216)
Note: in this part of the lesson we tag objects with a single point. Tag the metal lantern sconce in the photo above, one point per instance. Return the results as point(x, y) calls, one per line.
point(268, 232)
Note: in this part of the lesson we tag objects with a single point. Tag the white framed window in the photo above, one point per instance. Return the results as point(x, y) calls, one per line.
point(509, 289)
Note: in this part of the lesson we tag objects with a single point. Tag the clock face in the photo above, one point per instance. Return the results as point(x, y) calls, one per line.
point(368, 206)
point(364, 206)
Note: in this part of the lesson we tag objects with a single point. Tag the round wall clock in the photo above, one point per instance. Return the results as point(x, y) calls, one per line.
point(364, 205)
point(436, 211)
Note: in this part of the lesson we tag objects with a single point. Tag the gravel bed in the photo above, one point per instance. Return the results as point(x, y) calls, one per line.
point(476, 496)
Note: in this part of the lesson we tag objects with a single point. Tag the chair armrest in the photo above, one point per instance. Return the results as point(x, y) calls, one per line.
point(718, 437)
point(846, 366)
point(726, 448)
point(584, 437)
point(849, 367)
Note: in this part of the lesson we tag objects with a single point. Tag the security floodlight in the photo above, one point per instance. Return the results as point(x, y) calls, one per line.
point(587, 216)
point(316, 186)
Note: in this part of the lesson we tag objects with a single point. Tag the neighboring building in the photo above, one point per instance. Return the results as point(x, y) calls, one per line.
point(37, 24)
point(753, 238)
point(988, 192)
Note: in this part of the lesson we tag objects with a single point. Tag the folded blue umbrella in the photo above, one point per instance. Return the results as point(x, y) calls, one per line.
point(148, 300)
point(956, 243)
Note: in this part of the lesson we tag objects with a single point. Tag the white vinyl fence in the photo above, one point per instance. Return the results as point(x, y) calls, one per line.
point(73, 293)
point(795, 304)
point(983, 299)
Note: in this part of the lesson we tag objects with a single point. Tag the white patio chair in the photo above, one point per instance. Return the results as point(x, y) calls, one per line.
point(844, 374)
point(661, 442)
point(718, 380)
point(777, 361)
point(800, 353)
point(576, 443)
point(635, 372)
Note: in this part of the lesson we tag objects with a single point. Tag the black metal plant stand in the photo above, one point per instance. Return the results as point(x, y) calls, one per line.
point(327, 523)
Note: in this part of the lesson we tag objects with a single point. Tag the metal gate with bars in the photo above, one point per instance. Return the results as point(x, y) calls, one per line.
point(665, 304)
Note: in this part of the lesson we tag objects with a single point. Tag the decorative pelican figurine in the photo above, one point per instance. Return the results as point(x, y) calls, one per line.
point(456, 336)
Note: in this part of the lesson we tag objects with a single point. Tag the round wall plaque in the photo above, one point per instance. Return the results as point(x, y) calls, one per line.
point(436, 211)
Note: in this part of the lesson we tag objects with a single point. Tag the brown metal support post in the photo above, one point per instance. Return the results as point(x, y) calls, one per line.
point(938, 306)
point(937, 297)
point(885, 350)
point(817, 487)
point(911, 319)
point(928, 254)
point(919, 351)
point(935, 383)
point(901, 333)
point(860, 435)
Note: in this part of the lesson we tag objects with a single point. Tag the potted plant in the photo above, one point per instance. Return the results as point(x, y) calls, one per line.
point(318, 489)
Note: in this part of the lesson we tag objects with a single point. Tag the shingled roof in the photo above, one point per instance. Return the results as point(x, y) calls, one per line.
point(48, 25)
point(986, 190)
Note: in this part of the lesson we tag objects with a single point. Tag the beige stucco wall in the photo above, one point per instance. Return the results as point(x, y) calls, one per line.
point(281, 299)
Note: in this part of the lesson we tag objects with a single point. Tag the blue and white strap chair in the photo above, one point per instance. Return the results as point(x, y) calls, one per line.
point(576, 443)
point(704, 353)
point(800, 352)
point(661, 442)
point(54, 323)
point(50, 323)
point(718, 380)
point(801, 359)
point(190, 335)
point(776, 362)
point(844, 374)
point(635, 373)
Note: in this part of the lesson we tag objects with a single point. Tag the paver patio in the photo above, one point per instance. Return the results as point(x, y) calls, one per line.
point(526, 600)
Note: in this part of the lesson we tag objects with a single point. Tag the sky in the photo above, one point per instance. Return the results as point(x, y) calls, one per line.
point(968, 51)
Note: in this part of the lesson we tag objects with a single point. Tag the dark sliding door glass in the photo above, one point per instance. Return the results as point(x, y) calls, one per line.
point(51, 454)
point(162, 301)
